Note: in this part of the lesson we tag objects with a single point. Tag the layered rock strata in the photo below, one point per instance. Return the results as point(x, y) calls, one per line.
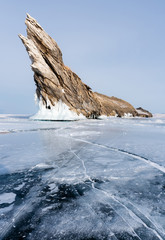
point(56, 82)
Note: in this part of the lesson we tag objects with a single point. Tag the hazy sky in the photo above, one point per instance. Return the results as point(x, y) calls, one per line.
point(117, 47)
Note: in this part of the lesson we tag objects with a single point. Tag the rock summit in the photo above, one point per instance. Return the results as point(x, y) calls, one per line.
point(56, 83)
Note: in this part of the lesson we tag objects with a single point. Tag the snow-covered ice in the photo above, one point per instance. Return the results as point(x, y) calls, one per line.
point(7, 197)
point(87, 179)
point(58, 112)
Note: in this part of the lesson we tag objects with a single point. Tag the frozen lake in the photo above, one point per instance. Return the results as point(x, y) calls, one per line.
point(89, 179)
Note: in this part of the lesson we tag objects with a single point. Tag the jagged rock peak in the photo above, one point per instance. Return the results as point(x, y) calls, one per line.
point(56, 84)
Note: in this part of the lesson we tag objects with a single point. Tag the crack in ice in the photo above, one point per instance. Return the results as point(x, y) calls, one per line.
point(131, 213)
point(89, 178)
point(85, 170)
point(149, 162)
point(151, 226)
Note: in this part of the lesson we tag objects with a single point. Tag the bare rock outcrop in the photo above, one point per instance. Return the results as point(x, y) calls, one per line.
point(56, 82)
point(143, 113)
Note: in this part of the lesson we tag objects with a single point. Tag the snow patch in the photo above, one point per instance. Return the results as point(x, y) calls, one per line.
point(35, 99)
point(42, 166)
point(7, 198)
point(19, 187)
point(127, 115)
point(58, 112)
point(104, 117)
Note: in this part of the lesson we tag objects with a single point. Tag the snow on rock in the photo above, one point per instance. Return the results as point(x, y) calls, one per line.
point(127, 115)
point(143, 113)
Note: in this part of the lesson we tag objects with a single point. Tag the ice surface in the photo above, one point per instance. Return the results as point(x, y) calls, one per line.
point(159, 115)
point(90, 179)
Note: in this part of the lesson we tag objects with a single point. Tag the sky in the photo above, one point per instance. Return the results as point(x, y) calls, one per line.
point(117, 47)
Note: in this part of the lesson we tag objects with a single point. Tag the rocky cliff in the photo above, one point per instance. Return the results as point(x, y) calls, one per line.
point(56, 83)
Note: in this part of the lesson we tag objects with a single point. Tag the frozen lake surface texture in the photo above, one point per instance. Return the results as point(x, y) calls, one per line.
point(88, 179)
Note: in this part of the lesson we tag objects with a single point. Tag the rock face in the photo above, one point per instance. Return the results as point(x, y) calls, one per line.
point(143, 113)
point(56, 83)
